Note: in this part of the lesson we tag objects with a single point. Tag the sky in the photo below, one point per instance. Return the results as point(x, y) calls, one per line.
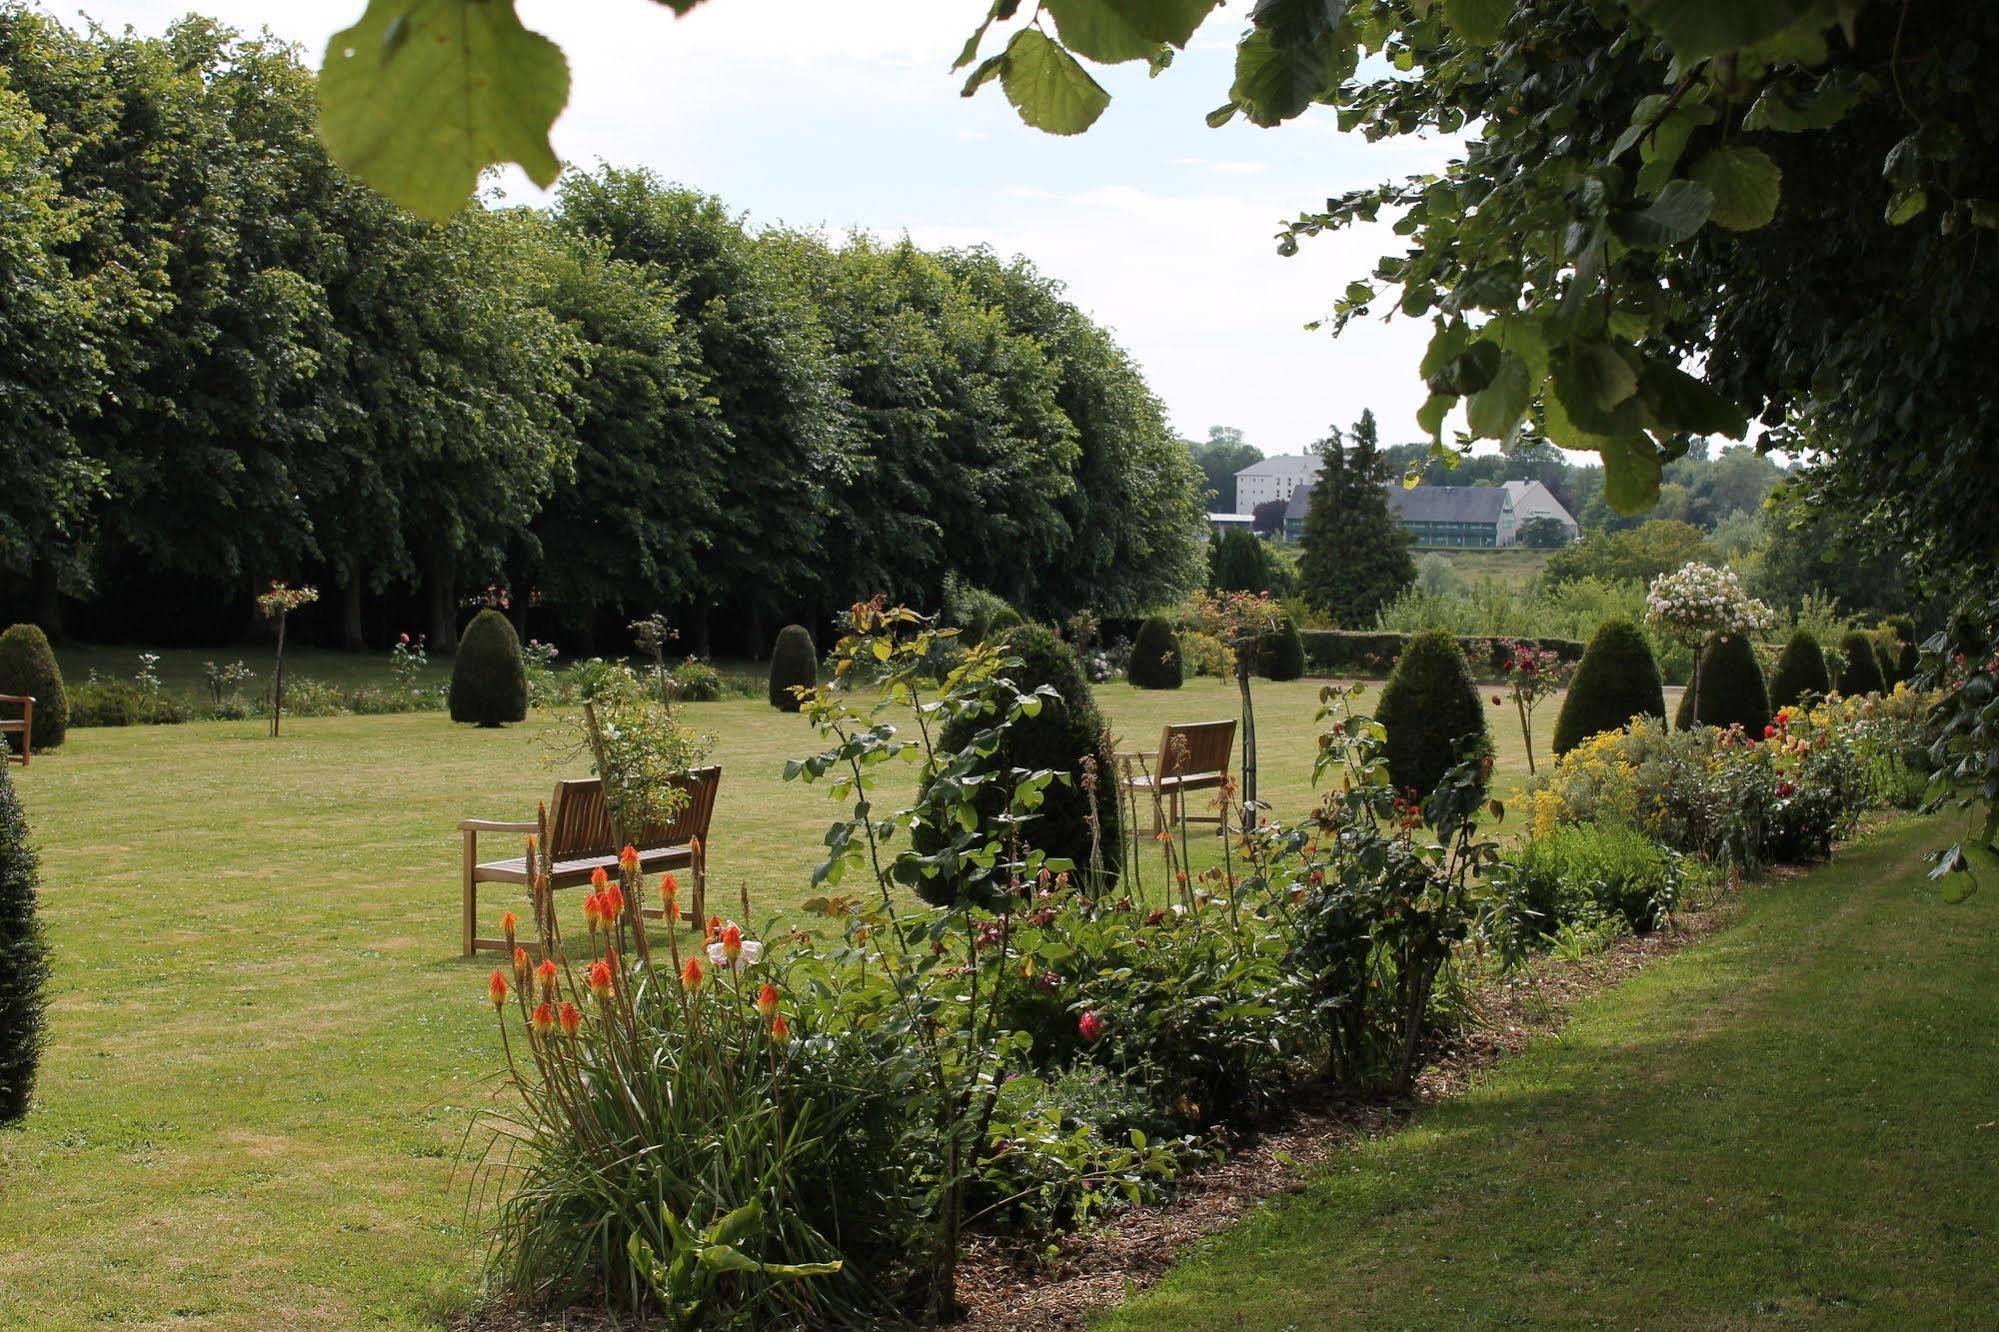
point(844, 115)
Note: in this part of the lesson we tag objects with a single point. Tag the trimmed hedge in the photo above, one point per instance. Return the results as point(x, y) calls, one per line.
point(1056, 738)
point(1861, 673)
point(1280, 654)
point(1353, 653)
point(1732, 688)
point(1428, 705)
point(1801, 670)
point(1618, 680)
point(489, 681)
point(28, 666)
point(24, 960)
point(1155, 656)
point(794, 661)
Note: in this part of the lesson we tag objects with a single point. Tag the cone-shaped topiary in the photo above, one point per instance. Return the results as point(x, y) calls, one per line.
point(24, 960)
point(1886, 648)
point(1428, 706)
point(793, 661)
point(1861, 671)
point(489, 682)
point(1280, 654)
point(1155, 656)
point(1732, 688)
point(1056, 738)
point(28, 666)
point(1616, 681)
point(1801, 670)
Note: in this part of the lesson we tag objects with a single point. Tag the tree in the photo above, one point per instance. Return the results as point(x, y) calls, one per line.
point(1643, 552)
point(1617, 679)
point(794, 663)
point(1859, 670)
point(24, 959)
point(1801, 672)
point(1155, 656)
point(489, 684)
point(1356, 555)
point(1239, 562)
point(1268, 517)
point(1431, 711)
point(1220, 457)
point(1543, 532)
point(1731, 691)
point(28, 667)
point(1281, 653)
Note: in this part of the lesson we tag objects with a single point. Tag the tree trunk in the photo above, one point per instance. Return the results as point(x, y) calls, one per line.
point(443, 608)
point(278, 679)
point(47, 597)
point(350, 614)
point(1248, 750)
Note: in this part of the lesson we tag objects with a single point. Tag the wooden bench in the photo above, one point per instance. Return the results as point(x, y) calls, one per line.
point(23, 725)
point(1192, 756)
point(581, 839)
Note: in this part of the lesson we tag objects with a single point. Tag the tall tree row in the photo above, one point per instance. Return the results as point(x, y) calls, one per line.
point(223, 362)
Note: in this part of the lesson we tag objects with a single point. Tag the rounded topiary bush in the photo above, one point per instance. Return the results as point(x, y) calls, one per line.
point(1056, 738)
point(489, 682)
point(1280, 654)
point(1732, 689)
point(1616, 681)
point(794, 661)
point(28, 666)
point(1801, 671)
point(1155, 656)
point(1860, 673)
point(1428, 706)
point(24, 960)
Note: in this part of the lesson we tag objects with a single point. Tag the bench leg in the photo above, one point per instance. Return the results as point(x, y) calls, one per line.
point(471, 892)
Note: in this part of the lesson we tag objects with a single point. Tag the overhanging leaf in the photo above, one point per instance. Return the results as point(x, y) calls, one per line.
point(1631, 473)
point(421, 96)
point(1681, 403)
point(1118, 30)
point(1698, 29)
point(1678, 212)
point(1274, 81)
point(1480, 22)
point(1046, 85)
point(1496, 409)
point(1746, 185)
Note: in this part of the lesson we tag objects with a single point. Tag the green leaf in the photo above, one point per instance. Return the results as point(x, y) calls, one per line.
point(1698, 29)
point(1469, 371)
point(1746, 185)
point(1906, 204)
point(1431, 414)
point(421, 96)
point(1274, 81)
point(1116, 30)
point(1681, 403)
point(1046, 85)
point(1495, 410)
point(1598, 374)
point(1631, 472)
point(1678, 212)
point(1480, 22)
point(988, 70)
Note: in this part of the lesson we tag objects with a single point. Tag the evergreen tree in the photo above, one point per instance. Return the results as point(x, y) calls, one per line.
point(1239, 562)
point(1801, 670)
point(1732, 688)
point(1155, 656)
point(1428, 706)
point(28, 666)
point(1616, 681)
point(1860, 673)
point(1356, 555)
point(489, 683)
point(24, 960)
point(793, 662)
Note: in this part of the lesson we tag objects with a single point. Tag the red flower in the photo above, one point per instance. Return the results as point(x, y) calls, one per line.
point(690, 975)
point(767, 1001)
point(593, 910)
point(1497, 701)
point(611, 904)
point(521, 964)
point(509, 922)
point(569, 1018)
point(1769, 731)
point(780, 1030)
point(546, 974)
point(600, 979)
point(1090, 1026)
point(542, 1019)
point(496, 989)
point(628, 859)
point(598, 878)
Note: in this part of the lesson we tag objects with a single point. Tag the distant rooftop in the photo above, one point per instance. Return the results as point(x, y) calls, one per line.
point(1284, 464)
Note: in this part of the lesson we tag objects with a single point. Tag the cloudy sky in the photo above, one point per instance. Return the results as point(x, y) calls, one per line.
point(843, 114)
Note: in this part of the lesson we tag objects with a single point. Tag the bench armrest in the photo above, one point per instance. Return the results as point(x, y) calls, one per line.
point(1137, 754)
point(495, 826)
point(17, 698)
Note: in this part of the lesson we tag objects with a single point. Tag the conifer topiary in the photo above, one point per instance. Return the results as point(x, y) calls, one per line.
point(489, 681)
point(1801, 671)
point(1616, 681)
point(1428, 706)
point(1056, 738)
point(28, 666)
point(1732, 692)
point(1155, 656)
point(24, 960)
point(1860, 673)
point(794, 661)
point(1280, 654)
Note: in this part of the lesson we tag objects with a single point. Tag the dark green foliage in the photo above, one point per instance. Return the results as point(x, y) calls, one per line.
point(489, 683)
point(1617, 680)
point(1885, 657)
point(1732, 692)
point(793, 661)
point(1429, 705)
point(1352, 653)
point(1155, 656)
point(1801, 670)
point(28, 666)
point(24, 959)
point(1860, 673)
point(1898, 636)
point(1280, 654)
point(1356, 555)
point(1057, 738)
point(1239, 562)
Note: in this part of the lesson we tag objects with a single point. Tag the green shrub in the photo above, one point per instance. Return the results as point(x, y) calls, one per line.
point(28, 666)
point(1732, 691)
point(121, 703)
point(1860, 673)
point(1428, 706)
point(1155, 656)
point(1801, 671)
point(697, 681)
point(1617, 680)
point(794, 661)
point(1280, 654)
point(1056, 738)
point(1239, 562)
point(1582, 872)
point(489, 682)
point(974, 612)
point(24, 960)
point(1371, 654)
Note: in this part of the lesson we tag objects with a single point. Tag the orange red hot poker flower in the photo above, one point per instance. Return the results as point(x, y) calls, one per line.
point(546, 974)
point(691, 975)
point(628, 859)
point(543, 1018)
point(496, 989)
point(569, 1018)
point(767, 1001)
point(600, 979)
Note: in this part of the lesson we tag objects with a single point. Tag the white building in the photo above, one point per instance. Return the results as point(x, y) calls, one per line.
point(1531, 500)
point(1274, 478)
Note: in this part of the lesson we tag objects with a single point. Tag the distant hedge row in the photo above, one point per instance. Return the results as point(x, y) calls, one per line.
point(1355, 653)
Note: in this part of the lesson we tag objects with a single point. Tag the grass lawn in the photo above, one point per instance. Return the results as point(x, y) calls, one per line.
point(1512, 567)
point(1792, 1123)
